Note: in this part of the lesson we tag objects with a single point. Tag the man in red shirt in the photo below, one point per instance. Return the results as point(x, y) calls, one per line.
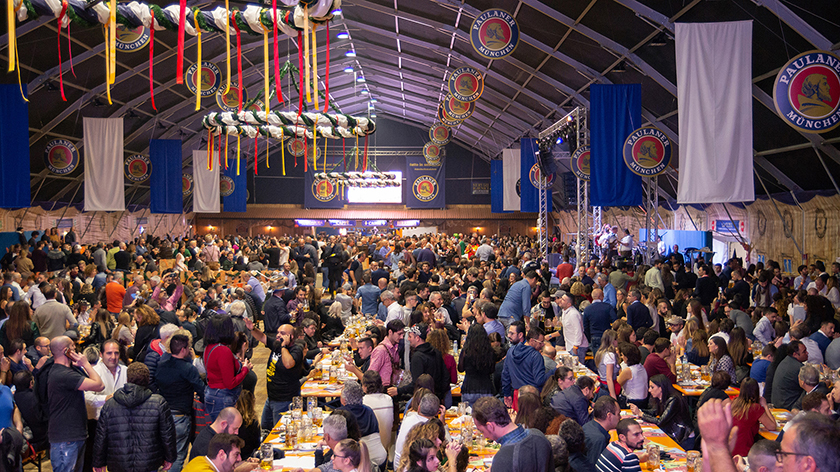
point(114, 293)
point(662, 360)
point(565, 269)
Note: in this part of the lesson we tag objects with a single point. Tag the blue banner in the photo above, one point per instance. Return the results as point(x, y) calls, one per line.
point(323, 193)
point(424, 181)
point(14, 148)
point(529, 178)
point(616, 111)
point(165, 183)
point(497, 186)
point(238, 198)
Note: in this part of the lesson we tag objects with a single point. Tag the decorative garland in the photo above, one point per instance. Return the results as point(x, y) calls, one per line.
point(356, 175)
point(285, 124)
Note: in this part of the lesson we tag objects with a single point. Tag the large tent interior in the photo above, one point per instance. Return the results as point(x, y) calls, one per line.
point(389, 61)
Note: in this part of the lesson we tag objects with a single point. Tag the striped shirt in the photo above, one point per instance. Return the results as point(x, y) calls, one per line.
point(616, 458)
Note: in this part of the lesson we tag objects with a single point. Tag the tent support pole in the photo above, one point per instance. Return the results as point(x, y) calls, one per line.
point(788, 232)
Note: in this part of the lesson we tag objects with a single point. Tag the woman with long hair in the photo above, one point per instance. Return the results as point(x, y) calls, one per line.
point(720, 358)
point(250, 429)
point(606, 358)
point(148, 329)
point(528, 405)
point(100, 328)
point(18, 326)
point(477, 362)
point(668, 410)
point(438, 339)
point(749, 411)
point(429, 431)
point(422, 456)
point(6, 296)
point(696, 312)
point(123, 333)
point(332, 321)
point(621, 303)
point(739, 350)
point(351, 456)
point(225, 372)
point(698, 354)
point(633, 378)
point(626, 334)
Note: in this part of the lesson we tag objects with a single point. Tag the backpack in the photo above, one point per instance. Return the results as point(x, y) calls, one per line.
point(42, 381)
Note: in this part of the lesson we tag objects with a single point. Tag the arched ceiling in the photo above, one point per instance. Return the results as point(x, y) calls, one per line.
point(406, 49)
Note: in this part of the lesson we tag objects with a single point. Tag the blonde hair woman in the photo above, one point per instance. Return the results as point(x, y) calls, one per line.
point(607, 361)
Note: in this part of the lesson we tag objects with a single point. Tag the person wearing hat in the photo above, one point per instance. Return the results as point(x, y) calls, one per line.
point(675, 326)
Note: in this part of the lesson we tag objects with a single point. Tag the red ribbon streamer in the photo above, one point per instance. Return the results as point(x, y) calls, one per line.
point(327, 73)
point(60, 71)
point(364, 165)
point(70, 50)
point(238, 56)
point(179, 67)
point(305, 152)
point(256, 154)
point(343, 149)
point(277, 86)
point(151, 63)
point(300, 68)
point(219, 147)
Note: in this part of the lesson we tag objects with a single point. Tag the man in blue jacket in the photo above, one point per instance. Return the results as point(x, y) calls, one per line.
point(597, 318)
point(573, 402)
point(638, 315)
point(524, 364)
point(517, 303)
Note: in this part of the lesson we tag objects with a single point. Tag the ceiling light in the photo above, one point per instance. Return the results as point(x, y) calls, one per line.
point(620, 67)
point(373, 115)
point(350, 53)
point(343, 35)
point(559, 140)
point(360, 79)
point(373, 100)
point(365, 92)
point(660, 39)
point(348, 69)
point(337, 11)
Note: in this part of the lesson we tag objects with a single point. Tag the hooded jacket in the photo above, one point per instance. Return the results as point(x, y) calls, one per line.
point(135, 432)
point(55, 259)
point(524, 365)
point(427, 360)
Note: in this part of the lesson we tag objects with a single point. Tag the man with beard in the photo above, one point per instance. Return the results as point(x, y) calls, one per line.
point(619, 454)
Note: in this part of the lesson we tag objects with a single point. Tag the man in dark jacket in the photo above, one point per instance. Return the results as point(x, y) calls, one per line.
point(597, 318)
point(786, 390)
point(573, 402)
point(274, 311)
point(638, 315)
point(135, 431)
point(424, 360)
point(521, 449)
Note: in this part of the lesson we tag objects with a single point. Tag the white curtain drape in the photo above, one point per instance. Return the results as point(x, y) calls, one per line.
point(104, 161)
point(206, 195)
point(511, 165)
point(714, 96)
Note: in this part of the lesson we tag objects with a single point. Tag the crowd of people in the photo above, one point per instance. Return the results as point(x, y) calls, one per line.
point(135, 355)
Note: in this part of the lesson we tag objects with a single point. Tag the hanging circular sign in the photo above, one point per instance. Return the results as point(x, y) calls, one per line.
point(211, 77)
point(456, 109)
point(425, 188)
point(445, 119)
point(132, 39)
point(61, 156)
point(431, 152)
point(137, 168)
point(466, 84)
point(580, 163)
point(534, 176)
point(647, 151)
point(226, 186)
point(256, 106)
point(440, 134)
point(324, 190)
point(296, 146)
point(230, 101)
point(807, 92)
point(494, 33)
point(187, 184)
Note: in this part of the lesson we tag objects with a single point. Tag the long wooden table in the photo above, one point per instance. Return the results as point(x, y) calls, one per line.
point(655, 435)
point(695, 387)
point(782, 417)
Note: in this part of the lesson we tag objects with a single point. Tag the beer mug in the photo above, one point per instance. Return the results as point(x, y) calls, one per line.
point(297, 403)
point(266, 457)
point(653, 456)
point(691, 458)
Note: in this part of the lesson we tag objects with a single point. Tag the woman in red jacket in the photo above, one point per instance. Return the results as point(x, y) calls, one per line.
point(225, 372)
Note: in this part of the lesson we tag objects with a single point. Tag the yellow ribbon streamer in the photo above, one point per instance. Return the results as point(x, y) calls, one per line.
point(238, 156)
point(227, 43)
point(20, 84)
point(112, 39)
point(283, 149)
point(315, 67)
point(357, 150)
point(226, 148)
point(306, 52)
point(107, 65)
point(325, 154)
point(266, 82)
point(315, 147)
point(10, 21)
point(198, 61)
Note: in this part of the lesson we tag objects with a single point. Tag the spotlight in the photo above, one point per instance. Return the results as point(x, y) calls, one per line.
point(365, 92)
point(373, 100)
point(559, 140)
point(350, 53)
point(360, 79)
point(343, 35)
point(337, 11)
point(348, 69)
